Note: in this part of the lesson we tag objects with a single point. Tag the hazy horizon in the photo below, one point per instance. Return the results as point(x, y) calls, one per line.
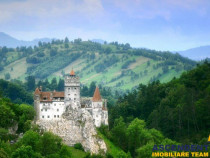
point(153, 24)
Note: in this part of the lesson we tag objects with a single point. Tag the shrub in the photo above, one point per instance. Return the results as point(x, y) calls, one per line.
point(78, 146)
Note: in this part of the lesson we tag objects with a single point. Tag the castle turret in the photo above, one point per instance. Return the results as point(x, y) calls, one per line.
point(37, 102)
point(72, 89)
point(97, 101)
point(97, 104)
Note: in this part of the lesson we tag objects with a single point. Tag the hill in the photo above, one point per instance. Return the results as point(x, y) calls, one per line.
point(114, 65)
point(9, 41)
point(178, 109)
point(198, 53)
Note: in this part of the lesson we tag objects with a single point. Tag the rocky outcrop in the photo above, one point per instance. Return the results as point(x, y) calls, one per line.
point(76, 126)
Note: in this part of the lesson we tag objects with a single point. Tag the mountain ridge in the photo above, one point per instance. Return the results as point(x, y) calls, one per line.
point(113, 65)
point(9, 41)
point(197, 53)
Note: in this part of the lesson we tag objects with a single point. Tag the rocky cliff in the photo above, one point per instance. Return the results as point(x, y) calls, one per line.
point(76, 126)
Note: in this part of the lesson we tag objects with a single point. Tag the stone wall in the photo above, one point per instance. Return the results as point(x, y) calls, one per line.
point(76, 126)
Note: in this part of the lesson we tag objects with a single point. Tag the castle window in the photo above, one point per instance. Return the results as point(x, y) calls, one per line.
point(57, 109)
point(42, 116)
point(48, 116)
point(57, 116)
point(54, 116)
point(54, 104)
point(45, 109)
point(43, 104)
point(41, 109)
point(74, 98)
point(75, 88)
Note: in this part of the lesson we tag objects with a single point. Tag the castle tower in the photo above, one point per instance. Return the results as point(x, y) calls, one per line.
point(37, 102)
point(72, 88)
point(97, 104)
point(97, 101)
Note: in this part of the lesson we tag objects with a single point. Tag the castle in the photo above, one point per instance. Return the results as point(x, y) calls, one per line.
point(52, 105)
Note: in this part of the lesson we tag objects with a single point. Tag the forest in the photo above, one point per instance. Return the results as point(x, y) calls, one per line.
point(177, 110)
point(158, 113)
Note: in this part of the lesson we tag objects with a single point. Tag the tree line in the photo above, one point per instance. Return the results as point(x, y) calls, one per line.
point(178, 109)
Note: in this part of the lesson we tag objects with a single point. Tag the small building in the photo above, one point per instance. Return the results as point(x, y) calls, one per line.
point(51, 105)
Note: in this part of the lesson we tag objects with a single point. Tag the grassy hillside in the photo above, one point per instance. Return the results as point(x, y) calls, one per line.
point(112, 149)
point(114, 65)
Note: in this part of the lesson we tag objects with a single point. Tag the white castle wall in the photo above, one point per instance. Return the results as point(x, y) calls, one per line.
point(54, 109)
point(51, 110)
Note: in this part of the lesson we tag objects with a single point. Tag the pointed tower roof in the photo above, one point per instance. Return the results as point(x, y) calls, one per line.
point(37, 91)
point(97, 96)
point(72, 73)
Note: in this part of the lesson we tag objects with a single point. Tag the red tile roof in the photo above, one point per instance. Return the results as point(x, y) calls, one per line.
point(96, 96)
point(37, 91)
point(72, 73)
point(45, 96)
point(48, 96)
point(58, 94)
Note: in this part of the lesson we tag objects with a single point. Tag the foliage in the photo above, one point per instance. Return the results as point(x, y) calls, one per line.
point(15, 91)
point(96, 62)
point(46, 145)
point(30, 83)
point(25, 152)
point(12, 113)
point(112, 148)
point(3, 154)
point(7, 76)
point(127, 63)
point(178, 108)
point(134, 137)
point(78, 146)
point(5, 149)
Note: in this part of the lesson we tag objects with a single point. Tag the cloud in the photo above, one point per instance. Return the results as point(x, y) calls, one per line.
point(148, 9)
point(49, 9)
point(160, 24)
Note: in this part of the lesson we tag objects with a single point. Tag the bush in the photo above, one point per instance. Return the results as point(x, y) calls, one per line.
point(127, 63)
point(40, 54)
point(3, 154)
point(7, 76)
point(78, 146)
point(25, 152)
point(33, 60)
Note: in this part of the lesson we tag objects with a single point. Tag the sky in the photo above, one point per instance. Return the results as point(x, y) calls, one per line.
point(172, 25)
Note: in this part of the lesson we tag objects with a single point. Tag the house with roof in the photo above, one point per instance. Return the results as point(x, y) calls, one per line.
point(52, 105)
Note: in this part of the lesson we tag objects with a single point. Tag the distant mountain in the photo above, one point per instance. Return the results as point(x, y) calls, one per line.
point(9, 41)
point(197, 53)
